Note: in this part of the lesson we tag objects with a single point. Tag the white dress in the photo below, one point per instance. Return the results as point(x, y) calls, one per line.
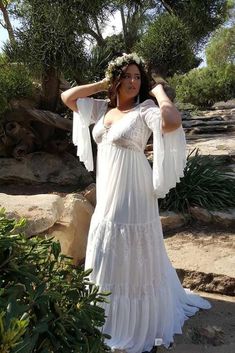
point(125, 244)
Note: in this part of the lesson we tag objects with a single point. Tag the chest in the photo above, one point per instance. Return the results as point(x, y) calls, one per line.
point(124, 130)
point(112, 116)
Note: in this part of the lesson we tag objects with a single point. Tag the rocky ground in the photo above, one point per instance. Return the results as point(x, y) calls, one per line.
point(209, 331)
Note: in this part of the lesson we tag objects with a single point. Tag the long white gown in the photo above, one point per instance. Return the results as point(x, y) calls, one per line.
point(125, 244)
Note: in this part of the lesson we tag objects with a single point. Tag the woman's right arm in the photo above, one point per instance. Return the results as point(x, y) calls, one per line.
point(70, 96)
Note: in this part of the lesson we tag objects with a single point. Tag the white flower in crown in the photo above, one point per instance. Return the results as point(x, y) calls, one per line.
point(116, 65)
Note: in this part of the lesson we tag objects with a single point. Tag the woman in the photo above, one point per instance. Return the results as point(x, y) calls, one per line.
point(125, 244)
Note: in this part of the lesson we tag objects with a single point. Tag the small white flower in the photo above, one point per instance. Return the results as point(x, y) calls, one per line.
point(121, 61)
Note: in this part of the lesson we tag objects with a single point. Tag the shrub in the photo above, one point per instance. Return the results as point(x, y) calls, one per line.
point(46, 304)
point(205, 184)
point(205, 86)
point(221, 47)
point(15, 82)
point(167, 46)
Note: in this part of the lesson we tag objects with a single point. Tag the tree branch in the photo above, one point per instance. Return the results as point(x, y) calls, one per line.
point(124, 25)
point(167, 7)
point(7, 21)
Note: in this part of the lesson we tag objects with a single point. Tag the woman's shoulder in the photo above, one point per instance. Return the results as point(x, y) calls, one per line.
point(92, 100)
point(148, 103)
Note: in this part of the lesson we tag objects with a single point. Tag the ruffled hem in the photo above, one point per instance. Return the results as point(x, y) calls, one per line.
point(147, 300)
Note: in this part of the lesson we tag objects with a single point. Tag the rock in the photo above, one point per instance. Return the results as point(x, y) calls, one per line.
point(200, 214)
point(25, 103)
point(230, 104)
point(72, 228)
point(213, 144)
point(90, 194)
point(211, 335)
point(43, 167)
point(207, 282)
point(41, 211)
point(210, 129)
point(224, 218)
point(172, 220)
point(227, 218)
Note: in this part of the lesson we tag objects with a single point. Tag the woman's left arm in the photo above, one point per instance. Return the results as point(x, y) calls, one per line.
point(171, 117)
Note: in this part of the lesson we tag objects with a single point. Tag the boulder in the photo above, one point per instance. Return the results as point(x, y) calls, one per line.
point(230, 104)
point(172, 220)
point(43, 167)
point(224, 218)
point(72, 228)
point(201, 214)
point(41, 211)
point(213, 145)
point(90, 194)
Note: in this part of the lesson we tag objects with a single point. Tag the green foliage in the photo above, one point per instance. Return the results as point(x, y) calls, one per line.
point(46, 304)
point(205, 183)
point(97, 63)
point(221, 48)
point(201, 17)
point(115, 44)
point(48, 36)
point(167, 46)
point(11, 331)
point(205, 86)
point(15, 82)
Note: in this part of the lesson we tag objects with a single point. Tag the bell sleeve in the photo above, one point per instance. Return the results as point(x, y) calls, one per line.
point(89, 110)
point(169, 152)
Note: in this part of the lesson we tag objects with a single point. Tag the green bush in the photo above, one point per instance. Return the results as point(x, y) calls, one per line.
point(206, 184)
point(205, 86)
point(46, 304)
point(15, 82)
point(167, 46)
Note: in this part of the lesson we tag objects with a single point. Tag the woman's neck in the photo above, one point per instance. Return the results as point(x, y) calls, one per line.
point(125, 104)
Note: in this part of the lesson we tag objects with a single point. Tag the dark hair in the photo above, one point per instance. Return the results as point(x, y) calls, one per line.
point(117, 76)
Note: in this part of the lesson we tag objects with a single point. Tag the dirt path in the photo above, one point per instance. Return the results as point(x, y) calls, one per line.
point(209, 331)
point(209, 249)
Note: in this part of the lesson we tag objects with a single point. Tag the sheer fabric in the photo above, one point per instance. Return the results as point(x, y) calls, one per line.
point(125, 244)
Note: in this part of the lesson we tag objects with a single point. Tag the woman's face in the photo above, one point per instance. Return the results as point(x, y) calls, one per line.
point(130, 82)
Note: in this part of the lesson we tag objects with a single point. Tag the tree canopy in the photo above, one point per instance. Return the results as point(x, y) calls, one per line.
point(54, 35)
point(221, 48)
point(167, 46)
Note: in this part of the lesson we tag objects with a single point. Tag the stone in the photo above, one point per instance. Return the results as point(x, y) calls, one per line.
point(90, 194)
point(25, 103)
point(207, 282)
point(172, 220)
point(41, 211)
point(222, 218)
point(72, 228)
point(230, 104)
point(226, 218)
point(200, 214)
point(43, 167)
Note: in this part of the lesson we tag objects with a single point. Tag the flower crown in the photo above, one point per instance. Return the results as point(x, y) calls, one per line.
point(115, 67)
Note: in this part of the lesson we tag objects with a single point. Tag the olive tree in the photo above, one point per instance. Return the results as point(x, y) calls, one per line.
point(221, 48)
point(167, 46)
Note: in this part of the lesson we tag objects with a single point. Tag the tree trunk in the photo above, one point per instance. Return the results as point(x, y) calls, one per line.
point(30, 130)
point(167, 7)
point(50, 89)
point(7, 21)
point(124, 27)
point(98, 37)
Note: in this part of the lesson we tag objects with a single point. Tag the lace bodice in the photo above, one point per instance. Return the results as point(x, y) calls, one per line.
point(132, 132)
point(129, 132)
